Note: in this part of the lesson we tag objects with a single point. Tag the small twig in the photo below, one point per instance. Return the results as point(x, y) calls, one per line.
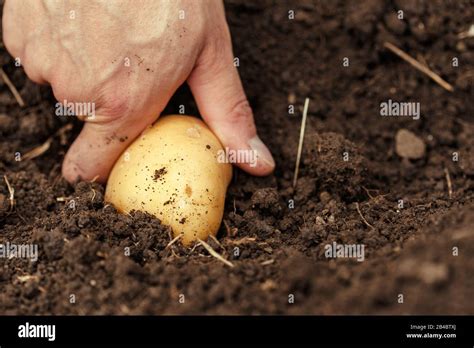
point(215, 240)
point(375, 190)
point(300, 144)
point(27, 277)
point(448, 180)
point(419, 66)
point(39, 150)
point(173, 254)
point(368, 192)
point(227, 228)
point(11, 191)
point(12, 88)
point(231, 232)
point(362, 217)
point(194, 248)
point(466, 34)
point(93, 195)
point(94, 178)
point(242, 240)
point(215, 253)
point(174, 240)
point(21, 217)
point(267, 262)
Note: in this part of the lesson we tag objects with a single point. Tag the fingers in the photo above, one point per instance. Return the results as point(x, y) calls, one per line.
point(218, 91)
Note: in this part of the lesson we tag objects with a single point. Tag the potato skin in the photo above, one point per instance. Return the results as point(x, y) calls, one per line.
point(171, 171)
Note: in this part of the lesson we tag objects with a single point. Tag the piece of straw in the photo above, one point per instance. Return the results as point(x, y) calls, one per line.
point(300, 144)
point(12, 88)
point(417, 65)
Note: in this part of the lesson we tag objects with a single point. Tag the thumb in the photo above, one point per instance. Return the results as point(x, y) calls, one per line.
point(100, 143)
point(221, 100)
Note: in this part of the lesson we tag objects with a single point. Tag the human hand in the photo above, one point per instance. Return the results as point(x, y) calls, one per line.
point(127, 58)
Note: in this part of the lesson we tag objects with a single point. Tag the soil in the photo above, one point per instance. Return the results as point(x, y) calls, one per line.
point(353, 187)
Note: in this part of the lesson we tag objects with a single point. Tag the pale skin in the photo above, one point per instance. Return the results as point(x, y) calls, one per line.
point(128, 58)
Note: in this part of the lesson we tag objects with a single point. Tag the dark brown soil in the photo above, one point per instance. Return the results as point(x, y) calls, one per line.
point(349, 189)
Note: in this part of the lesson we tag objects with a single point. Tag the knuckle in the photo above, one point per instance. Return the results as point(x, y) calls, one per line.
point(241, 112)
point(108, 103)
point(113, 105)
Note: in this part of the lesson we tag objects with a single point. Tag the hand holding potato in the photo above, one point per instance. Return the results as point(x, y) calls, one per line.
point(82, 49)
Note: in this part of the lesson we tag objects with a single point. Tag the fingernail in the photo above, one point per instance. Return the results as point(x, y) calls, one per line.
point(262, 151)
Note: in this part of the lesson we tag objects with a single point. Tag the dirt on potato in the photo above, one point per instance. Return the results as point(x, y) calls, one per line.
point(413, 216)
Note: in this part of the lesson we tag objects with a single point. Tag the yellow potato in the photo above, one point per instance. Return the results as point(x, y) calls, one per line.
point(172, 171)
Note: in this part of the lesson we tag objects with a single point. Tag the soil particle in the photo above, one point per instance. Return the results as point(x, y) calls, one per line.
point(7, 124)
point(434, 273)
point(267, 200)
point(363, 16)
point(330, 159)
point(158, 175)
point(394, 23)
point(4, 204)
point(408, 145)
